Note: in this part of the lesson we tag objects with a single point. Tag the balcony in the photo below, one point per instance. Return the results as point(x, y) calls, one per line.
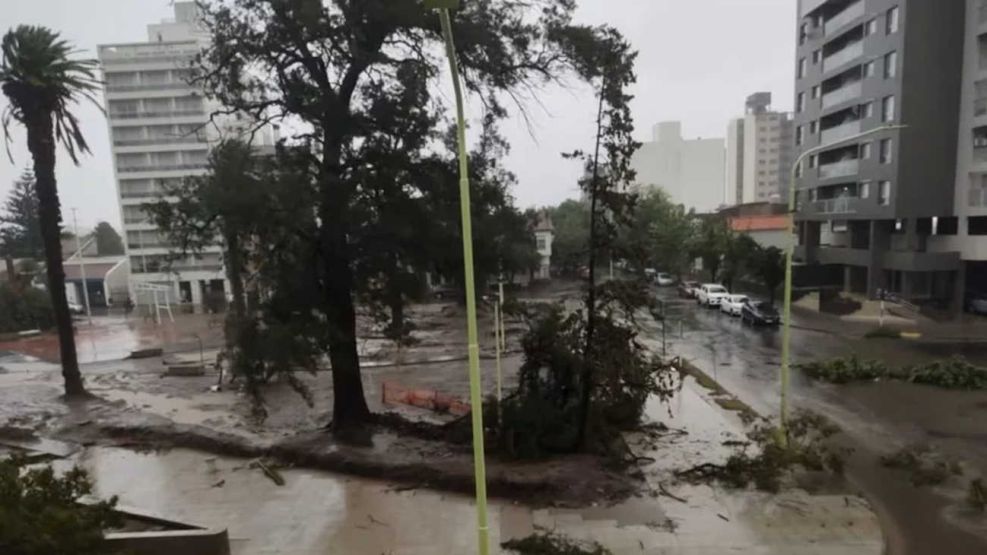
point(111, 87)
point(848, 54)
point(843, 255)
point(839, 169)
point(978, 198)
point(842, 94)
point(980, 155)
point(852, 12)
point(161, 167)
point(840, 132)
point(835, 206)
point(163, 114)
point(159, 141)
point(980, 107)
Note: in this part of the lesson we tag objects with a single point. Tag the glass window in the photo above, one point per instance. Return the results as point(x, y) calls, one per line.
point(813, 161)
point(798, 170)
point(803, 66)
point(800, 102)
point(817, 56)
point(870, 27)
point(865, 150)
point(803, 33)
point(886, 151)
point(865, 189)
point(892, 20)
point(884, 193)
point(799, 135)
point(887, 109)
point(813, 127)
point(869, 69)
point(890, 65)
point(868, 110)
point(815, 91)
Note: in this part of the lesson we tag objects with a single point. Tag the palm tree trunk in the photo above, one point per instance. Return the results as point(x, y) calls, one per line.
point(41, 143)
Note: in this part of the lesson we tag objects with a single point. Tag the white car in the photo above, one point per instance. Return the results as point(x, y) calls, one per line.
point(664, 279)
point(733, 304)
point(710, 294)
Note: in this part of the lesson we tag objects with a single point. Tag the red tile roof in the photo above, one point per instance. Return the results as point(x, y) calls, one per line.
point(759, 223)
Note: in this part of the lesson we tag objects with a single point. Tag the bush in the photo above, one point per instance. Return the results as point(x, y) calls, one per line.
point(954, 373)
point(40, 513)
point(24, 308)
point(925, 467)
point(551, 544)
point(883, 333)
point(845, 370)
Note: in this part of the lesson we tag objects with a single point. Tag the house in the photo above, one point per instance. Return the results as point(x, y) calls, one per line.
point(106, 279)
point(544, 235)
point(766, 223)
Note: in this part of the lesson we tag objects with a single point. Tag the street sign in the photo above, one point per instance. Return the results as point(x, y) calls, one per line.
point(442, 4)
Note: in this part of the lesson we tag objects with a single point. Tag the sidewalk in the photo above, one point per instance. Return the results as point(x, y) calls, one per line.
point(967, 329)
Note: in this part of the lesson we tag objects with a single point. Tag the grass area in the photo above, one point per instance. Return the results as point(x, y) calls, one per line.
point(883, 333)
point(553, 544)
point(953, 373)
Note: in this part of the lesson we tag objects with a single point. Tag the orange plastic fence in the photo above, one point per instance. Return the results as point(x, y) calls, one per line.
point(392, 393)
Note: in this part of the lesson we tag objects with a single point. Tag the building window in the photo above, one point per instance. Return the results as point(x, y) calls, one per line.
point(816, 56)
point(813, 195)
point(868, 110)
point(803, 66)
point(542, 245)
point(890, 65)
point(869, 69)
point(892, 20)
point(813, 127)
point(870, 27)
point(800, 102)
point(884, 194)
point(815, 91)
point(887, 109)
point(813, 161)
point(798, 170)
point(865, 150)
point(799, 135)
point(865, 189)
point(886, 151)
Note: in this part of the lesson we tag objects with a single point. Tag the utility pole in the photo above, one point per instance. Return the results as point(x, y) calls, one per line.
point(82, 266)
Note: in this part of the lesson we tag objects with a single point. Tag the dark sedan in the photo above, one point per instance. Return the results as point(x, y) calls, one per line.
point(759, 313)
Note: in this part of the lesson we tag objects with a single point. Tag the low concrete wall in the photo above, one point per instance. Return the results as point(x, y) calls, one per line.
point(181, 542)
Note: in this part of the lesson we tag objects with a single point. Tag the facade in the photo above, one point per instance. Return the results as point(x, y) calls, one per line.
point(759, 153)
point(764, 222)
point(884, 212)
point(106, 277)
point(160, 130)
point(544, 234)
point(690, 171)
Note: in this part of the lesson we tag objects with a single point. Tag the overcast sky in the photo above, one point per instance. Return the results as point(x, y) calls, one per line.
point(699, 59)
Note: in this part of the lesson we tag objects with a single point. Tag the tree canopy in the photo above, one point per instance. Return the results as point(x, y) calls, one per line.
point(20, 226)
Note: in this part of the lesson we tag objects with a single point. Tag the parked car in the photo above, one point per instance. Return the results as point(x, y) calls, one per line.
point(733, 304)
point(759, 313)
point(687, 289)
point(664, 280)
point(977, 303)
point(444, 293)
point(711, 294)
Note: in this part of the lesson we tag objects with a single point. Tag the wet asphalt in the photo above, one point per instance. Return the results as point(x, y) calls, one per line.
point(877, 418)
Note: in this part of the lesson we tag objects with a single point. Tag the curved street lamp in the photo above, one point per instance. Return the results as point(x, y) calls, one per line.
point(789, 252)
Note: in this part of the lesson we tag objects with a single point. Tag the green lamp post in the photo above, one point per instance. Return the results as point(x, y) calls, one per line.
point(476, 398)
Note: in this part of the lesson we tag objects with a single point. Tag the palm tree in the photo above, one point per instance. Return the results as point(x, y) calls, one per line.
point(41, 83)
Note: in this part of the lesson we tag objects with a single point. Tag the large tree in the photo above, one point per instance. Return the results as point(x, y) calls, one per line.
point(41, 82)
point(570, 245)
point(769, 267)
point(319, 62)
point(20, 226)
point(108, 241)
point(710, 243)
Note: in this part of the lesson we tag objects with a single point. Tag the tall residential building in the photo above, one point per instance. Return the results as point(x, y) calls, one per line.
point(690, 171)
point(759, 153)
point(898, 210)
point(161, 131)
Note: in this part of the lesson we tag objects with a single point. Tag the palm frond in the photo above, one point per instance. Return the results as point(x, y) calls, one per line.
point(39, 75)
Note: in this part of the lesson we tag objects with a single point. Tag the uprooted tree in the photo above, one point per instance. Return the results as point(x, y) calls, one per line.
point(585, 375)
point(321, 63)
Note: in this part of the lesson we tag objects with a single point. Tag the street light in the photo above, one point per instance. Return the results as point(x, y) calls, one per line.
point(82, 266)
point(789, 252)
point(476, 399)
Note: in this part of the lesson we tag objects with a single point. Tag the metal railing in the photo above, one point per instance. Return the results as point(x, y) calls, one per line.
point(849, 53)
point(191, 139)
point(156, 114)
point(846, 16)
point(173, 85)
point(843, 131)
point(980, 154)
point(842, 94)
point(839, 169)
point(833, 206)
point(153, 193)
point(162, 167)
point(980, 107)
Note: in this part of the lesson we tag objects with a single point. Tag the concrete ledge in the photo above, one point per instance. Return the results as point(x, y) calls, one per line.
point(146, 353)
point(185, 542)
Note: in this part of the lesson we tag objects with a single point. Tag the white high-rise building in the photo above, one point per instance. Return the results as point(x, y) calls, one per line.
point(689, 170)
point(161, 133)
point(759, 153)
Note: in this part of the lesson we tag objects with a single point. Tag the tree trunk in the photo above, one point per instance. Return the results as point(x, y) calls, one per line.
point(234, 273)
point(349, 407)
point(41, 143)
point(11, 271)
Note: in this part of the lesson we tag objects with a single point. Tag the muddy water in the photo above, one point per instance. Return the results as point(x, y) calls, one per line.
point(877, 418)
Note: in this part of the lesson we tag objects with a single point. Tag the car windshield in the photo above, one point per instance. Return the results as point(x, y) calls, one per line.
point(717, 289)
point(765, 307)
point(737, 298)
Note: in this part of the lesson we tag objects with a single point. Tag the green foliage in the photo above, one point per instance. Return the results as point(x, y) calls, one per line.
point(925, 467)
point(807, 446)
point(710, 244)
point(740, 257)
point(976, 496)
point(20, 226)
point(883, 333)
point(769, 267)
point(570, 244)
point(24, 308)
point(41, 513)
point(108, 241)
point(552, 544)
point(658, 233)
point(543, 417)
point(953, 373)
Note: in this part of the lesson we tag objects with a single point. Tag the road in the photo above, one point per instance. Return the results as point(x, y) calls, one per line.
point(878, 418)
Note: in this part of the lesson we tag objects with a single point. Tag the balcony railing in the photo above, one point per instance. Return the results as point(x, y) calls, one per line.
point(191, 139)
point(161, 167)
point(848, 54)
point(839, 132)
point(151, 193)
point(978, 197)
point(980, 154)
point(834, 206)
point(846, 16)
point(843, 94)
point(157, 114)
point(980, 107)
point(173, 85)
point(839, 169)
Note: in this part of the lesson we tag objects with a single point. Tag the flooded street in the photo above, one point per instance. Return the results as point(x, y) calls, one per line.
point(878, 418)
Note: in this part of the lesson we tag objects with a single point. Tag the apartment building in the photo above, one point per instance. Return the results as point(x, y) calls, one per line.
point(161, 131)
point(759, 153)
point(882, 211)
point(691, 171)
